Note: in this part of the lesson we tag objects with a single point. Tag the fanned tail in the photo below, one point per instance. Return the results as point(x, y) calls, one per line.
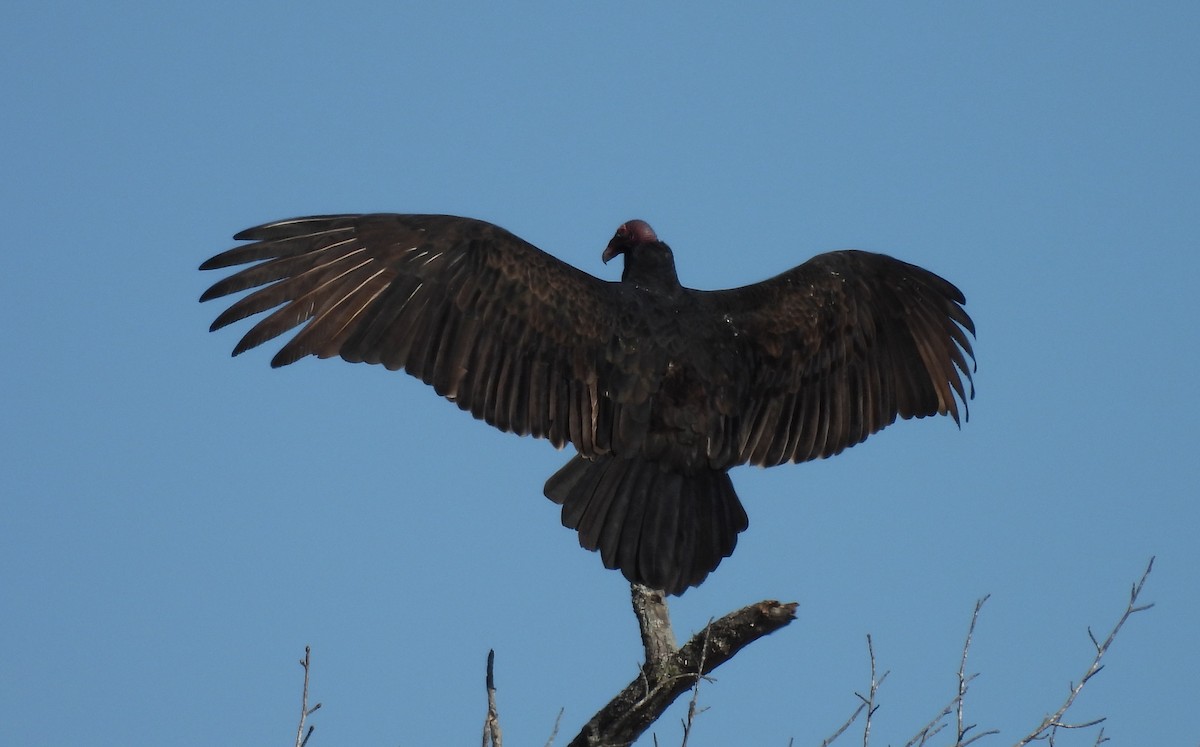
point(662, 529)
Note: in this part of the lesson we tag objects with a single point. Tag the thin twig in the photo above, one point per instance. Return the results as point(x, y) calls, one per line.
point(867, 704)
point(869, 701)
point(841, 729)
point(964, 679)
point(955, 705)
point(554, 731)
point(301, 735)
point(935, 725)
point(491, 724)
point(691, 714)
point(1051, 724)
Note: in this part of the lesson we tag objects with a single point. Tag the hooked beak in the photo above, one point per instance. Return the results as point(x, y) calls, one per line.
point(610, 251)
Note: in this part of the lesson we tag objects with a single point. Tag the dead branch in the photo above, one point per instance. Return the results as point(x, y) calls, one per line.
point(842, 729)
point(956, 707)
point(1052, 723)
point(869, 701)
point(301, 735)
point(554, 731)
point(692, 710)
point(866, 703)
point(668, 672)
point(654, 622)
point(964, 679)
point(491, 724)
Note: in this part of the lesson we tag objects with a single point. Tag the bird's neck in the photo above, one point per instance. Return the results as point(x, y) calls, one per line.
point(652, 267)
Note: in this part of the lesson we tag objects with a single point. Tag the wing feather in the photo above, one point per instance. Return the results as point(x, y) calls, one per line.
point(508, 332)
point(838, 348)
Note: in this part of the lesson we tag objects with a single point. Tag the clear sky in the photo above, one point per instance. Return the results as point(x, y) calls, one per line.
point(177, 525)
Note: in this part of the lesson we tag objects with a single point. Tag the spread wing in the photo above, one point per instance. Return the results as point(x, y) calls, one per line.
point(841, 346)
point(493, 323)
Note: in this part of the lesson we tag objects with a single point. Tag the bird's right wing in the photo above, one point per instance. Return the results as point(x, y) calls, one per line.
point(493, 323)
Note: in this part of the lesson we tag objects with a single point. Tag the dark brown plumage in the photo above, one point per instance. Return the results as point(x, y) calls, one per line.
point(661, 389)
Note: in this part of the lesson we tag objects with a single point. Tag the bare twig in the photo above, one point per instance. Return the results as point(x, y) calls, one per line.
point(841, 729)
point(491, 724)
point(935, 725)
point(301, 735)
point(866, 703)
point(1052, 723)
point(869, 701)
point(554, 731)
point(692, 712)
point(956, 704)
point(964, 679)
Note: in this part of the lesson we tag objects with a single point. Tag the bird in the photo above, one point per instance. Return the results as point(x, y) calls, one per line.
point(660, 389)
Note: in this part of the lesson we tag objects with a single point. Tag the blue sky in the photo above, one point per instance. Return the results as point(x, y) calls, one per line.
point(177, 525)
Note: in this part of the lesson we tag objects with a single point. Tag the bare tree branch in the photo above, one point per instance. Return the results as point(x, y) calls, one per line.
point(654, 622)
point(1052, 723)
point(1045, 731)
point(866, 704)
point(935, 725)
point(692, 712)
point(869, 701)
point(301, 735)
point(491, 724)
point(955, 705)
point(668, 671)
point(554, 731)
point(965, 679)
point(841, 729)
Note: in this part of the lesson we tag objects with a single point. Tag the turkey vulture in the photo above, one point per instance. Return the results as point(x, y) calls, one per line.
point(661, 389)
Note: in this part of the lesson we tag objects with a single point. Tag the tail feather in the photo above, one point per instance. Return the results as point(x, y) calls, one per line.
point(663, 529)
point(656, 545)
point(599, 511)
point(707, 552)
point(673, 529)
point(629, 535)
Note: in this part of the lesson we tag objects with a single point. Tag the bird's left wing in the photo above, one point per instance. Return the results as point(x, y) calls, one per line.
point(493, 323)
point(838, 348)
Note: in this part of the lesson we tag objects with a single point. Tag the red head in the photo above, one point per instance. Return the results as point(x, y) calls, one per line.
point(631, 233)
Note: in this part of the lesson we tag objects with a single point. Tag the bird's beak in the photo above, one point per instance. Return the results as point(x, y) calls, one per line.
point(610, 251)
